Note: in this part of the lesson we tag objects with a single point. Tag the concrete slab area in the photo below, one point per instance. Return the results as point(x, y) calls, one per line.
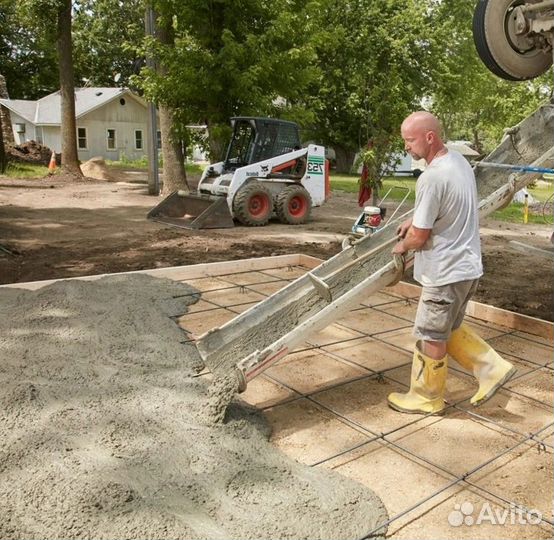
point(327, 406)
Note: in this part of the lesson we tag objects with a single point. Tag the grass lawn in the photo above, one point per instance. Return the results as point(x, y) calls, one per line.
point(542, 193)
point(349, 184)
point(192, 168)
point(513, 213)
point(26, 170)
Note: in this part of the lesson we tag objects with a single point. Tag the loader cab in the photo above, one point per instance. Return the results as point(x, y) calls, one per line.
point(257, 139)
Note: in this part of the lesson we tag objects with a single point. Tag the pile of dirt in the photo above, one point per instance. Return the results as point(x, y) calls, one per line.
point(96, 168)
point(30, 152)
point(103, 433)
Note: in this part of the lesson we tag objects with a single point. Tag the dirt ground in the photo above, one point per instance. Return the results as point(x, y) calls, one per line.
point(50, 228)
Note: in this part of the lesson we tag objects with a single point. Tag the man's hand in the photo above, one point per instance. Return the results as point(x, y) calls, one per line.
point(403, 228)
point(413, 238)
point(399, 248)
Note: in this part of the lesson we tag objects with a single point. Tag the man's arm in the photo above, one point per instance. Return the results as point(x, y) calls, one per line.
point(414, 239)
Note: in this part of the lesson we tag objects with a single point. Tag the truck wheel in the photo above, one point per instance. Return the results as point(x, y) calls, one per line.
point(507, 54)
point(293, 205)
point(253, 204)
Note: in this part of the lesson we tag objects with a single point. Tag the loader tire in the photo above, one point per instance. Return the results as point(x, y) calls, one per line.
point(293, 205)
point(253, 204)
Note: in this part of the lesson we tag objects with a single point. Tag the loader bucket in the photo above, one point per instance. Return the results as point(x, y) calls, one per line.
point(193, 211)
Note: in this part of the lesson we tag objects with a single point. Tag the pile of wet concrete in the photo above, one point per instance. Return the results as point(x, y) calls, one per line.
point(103, 430)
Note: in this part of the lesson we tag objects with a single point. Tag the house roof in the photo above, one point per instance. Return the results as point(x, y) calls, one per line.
point(47, 110)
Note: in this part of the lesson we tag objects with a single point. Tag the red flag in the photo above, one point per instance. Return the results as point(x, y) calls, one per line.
point(365, 191)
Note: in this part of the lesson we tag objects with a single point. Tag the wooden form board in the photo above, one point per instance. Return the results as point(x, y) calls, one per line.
point(487, 313)
point(480, 311)
point(196, 271)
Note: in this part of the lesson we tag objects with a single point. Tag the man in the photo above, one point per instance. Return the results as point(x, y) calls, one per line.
point(444, 232)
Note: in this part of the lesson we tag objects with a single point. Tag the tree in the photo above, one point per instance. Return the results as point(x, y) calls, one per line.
point(105, 35)
point(228, 58)
point(27, 58)
point(174, 174)
point(70, 158)
point(373, 63)
point(37, 14)
point(3, 158)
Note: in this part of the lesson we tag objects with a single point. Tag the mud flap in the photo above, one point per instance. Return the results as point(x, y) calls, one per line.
point(193, 211)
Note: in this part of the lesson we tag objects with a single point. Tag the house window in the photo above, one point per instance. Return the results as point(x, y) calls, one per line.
point(82, 138)
point(110, 139)
point(159, 139)
point(138, 139)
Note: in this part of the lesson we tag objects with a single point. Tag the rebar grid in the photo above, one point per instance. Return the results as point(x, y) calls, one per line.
point(528, 439)
point(383, 440)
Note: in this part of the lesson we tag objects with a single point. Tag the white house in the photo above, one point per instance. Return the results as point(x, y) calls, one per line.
point(111, 122)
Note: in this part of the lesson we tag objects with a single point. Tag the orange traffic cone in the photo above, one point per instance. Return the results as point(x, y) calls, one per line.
point(52, 164)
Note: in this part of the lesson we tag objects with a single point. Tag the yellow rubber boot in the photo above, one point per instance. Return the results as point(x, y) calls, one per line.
point(427, 385)
point(477, 356)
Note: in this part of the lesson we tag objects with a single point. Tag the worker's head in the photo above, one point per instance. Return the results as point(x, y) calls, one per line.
point(421, 132)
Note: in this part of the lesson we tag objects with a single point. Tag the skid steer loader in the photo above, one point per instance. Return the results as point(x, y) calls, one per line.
point(265, 172)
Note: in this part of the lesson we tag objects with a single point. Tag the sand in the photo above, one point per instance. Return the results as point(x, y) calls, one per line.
point(103, 432)
point(96, 168)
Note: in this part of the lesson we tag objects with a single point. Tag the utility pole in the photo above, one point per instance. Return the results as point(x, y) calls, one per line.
point(152, 140)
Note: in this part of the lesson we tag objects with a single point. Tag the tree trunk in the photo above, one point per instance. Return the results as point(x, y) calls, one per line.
point(70, 158)
point(3, 158)
point(345, 160)
point(174, 174)
point(477, 144)
point(5, 117)
point(217, 141)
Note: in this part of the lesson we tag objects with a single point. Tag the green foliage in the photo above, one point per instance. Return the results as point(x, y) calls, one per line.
point(373, 64)
point(27, 57)
point(105, 34)
point(228, 58)
point(473, 103)
point(103, 31)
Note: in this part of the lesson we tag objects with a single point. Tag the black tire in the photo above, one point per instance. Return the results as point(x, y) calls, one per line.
point(293, 205)
point(253, 204)
point(499, 48)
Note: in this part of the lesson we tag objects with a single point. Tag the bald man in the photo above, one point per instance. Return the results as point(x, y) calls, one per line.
point(444, 233)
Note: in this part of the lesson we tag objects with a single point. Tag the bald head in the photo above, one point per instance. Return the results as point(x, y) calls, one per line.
point(422, 134)
point(423, 121)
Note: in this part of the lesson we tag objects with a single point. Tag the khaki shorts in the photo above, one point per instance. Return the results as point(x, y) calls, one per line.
point(442, 309)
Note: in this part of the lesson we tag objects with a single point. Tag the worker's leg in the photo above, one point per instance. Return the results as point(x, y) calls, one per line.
point(436, 313)
point(434, 349)
point(427, 384)
point(475, 355)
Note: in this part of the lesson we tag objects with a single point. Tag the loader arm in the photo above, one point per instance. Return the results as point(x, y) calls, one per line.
point(254, 340)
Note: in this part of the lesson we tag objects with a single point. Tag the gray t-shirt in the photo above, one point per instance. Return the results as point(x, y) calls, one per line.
point(446, 202)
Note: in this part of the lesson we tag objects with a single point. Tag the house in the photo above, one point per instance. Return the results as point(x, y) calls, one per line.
point(111, 122)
